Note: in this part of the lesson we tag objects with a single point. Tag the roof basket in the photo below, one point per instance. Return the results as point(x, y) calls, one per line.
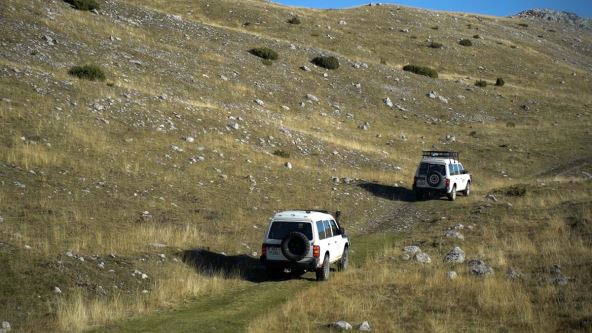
point(440, 154)
point(309, 210)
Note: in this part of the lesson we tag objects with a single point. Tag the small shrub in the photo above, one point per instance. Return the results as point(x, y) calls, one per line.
point(83, 4)
point(88, 72)
point(514, 46)
point(282, 153)
point(481, 83)
point(500, 82)
point(383, 61)
point(265, 53)
point(476, 36)
point(246, 24)
point(413, 37)
point(473, 134)
point(267, 62)
point(421, 70)
point(465, 42)
point(551, 30)
point(514, 191)
point(294, 20)
point(435, 45)
point(510, 124)
point(329, 62)
point(435, 28)
point(523, 25)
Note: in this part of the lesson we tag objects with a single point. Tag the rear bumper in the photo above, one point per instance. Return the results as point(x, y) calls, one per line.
point(308, 265)
point(441, 191)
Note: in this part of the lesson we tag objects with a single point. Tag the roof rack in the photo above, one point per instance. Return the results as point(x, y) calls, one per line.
point(308, 210)
point(440, 154)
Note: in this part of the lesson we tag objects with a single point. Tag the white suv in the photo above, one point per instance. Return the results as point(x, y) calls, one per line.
point(441, 173)
point(304, 240)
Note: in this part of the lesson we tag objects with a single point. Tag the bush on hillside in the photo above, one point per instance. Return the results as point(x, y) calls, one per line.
point(83, 4)
point(328, 62)
point(435, 45)
point(265, 53)
point(481, 83)
point(421, 70)
point(88, 72)
point(514, 191)
point(294, 20)
point(465, 42)
point(476, 36)
point(435, 27)
point(500, 82)
point(282, 153)
point(523, 25)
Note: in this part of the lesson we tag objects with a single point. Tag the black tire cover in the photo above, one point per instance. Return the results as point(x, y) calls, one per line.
point(295, 246)
point(434, 179)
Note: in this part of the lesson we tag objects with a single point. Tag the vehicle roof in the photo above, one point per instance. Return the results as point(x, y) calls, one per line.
point(439, 160)
point(299, 215)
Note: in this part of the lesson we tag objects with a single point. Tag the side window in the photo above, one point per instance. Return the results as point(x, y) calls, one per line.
point(327, 229)
point(336, 231)
point(454, 170)
point(460, 168)
point(321, 229)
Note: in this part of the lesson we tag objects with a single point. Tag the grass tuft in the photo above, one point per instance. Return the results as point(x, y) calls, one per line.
point(328, 62)
point(265, 53)
point(83, 4)
point(88, 72)
point(421, 70)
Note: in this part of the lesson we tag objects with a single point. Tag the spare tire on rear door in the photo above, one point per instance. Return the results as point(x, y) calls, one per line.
point(295, 246)
point(434, 179)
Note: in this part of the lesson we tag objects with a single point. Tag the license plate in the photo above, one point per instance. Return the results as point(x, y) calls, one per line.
point(273, 250)
point(421, 182)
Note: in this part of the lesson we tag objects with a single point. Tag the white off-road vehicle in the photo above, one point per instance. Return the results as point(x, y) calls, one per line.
point(304, 240)
point(441, 173)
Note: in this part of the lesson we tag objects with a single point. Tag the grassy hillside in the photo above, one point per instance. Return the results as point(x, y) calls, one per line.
point(192, 141)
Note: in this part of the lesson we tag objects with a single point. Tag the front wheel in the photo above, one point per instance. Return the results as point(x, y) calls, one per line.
point(467, 191)
point(344, 262)
point(452, 195)
point(323, 272)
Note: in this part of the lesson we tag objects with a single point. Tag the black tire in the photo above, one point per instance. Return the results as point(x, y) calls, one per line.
point(452, 194)
point(434, 179)
point(344, 261)
point(467, 191)
point(295, 246)
point(324, 271)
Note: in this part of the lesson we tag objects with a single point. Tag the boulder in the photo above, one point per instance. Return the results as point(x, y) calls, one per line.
point(364, 326)
point(412, 250)
point(452, 275)
point(455, 256)
point(455, 234)
point(341, 325)
point(479, 267)
point(423, 258)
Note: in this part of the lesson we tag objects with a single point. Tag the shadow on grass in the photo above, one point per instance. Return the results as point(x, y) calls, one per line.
point(242, 266)
point(389, 192)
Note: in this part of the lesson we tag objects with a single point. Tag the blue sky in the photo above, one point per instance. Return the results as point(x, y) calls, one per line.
point(498, 8)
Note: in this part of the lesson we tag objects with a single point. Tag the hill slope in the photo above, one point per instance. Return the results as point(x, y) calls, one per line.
point(192, 141)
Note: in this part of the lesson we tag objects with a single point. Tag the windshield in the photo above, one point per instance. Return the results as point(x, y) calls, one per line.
point(426, 168)
point(279, 230)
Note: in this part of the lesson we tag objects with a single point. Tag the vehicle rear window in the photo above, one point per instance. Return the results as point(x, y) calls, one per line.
point(280, 229)
point(426, 168)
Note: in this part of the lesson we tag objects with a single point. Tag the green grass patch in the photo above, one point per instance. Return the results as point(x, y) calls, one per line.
point(294, 20)
point(88, 72)
point(421, 70)
point(282, 153)
point(264, 52)
point(435, 45)
point(328, 62)
point(83, 4)
point(465, 42)
point(500, 82)
point(481, 83)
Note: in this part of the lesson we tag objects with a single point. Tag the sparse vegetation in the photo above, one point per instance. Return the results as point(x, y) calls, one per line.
point(500, 82)
point(294, 20)
point(524, 25)
point(435, 27)
point(265, 53)
point(328, 62)
point(481, 83)
point(281, 153)
point(83, 4)
point(513, 191)
point(465, 42)
point(510, 124)
point(88, 72)
point(435, 45)
point(421, 70)
point(476, 36)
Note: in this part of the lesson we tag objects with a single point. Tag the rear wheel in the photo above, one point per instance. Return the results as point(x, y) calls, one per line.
point(452, 194)
point(324, 271)
point(344, 262)
point(467, 191)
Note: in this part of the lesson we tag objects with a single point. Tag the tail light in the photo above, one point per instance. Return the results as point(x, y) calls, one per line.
point(415, 181)
point(316, 251)
point(264, 251)
point(447, 182)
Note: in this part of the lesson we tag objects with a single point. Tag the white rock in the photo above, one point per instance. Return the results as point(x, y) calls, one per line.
point(288, 165)
point(57, 290)
point(189, 139)
point(162, 256)
point(432, 94)
point(311, 97)
point(364, 326)
point(423, 258)
point(6, 326)
point(452, 275)
point(342, 22)
point(455, 234)
point(456, 256)
point(259, 102)
point(388, 102)
point(101, 265)
point(412, 250)
point(234, 126)
point(286, 108)
point(341, 325)
point(144, 276)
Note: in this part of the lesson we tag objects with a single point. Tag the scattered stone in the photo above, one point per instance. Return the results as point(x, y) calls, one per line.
point(259, 102)
point(341, 325)
point(157, 245)
point(364, 326)
point(405, 256)
point(388, 102)
point(234, 126)
point(311, 97)
point(305, 68)
point(101, 265)
point(412, 250)
point(288, 165)
point(57, 290)
point(365, 126)
point(513, 274)
point(6, 326)
point(491, 197)
point(432, 94)
point(189, 139)
point(404, 30)
point(342, 22)
point(286, 108)
point(479, 268)
point(455, 256)
point(452, 275)
point(49, 40)
point(455, 234)
point(423, 258)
